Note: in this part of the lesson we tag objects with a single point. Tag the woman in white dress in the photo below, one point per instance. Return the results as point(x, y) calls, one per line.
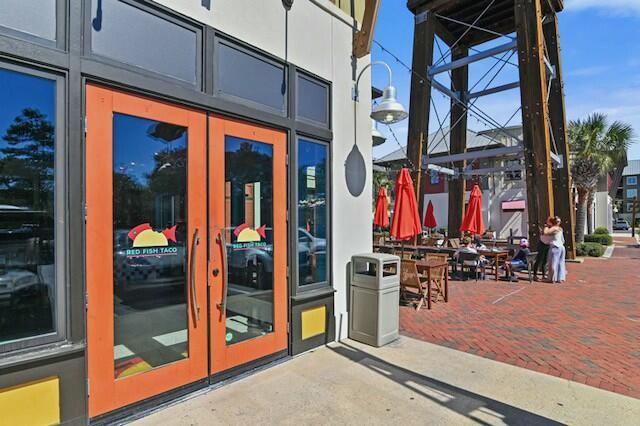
point(557, 253)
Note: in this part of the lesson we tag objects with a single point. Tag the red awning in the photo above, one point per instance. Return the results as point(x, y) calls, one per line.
point(513, 205)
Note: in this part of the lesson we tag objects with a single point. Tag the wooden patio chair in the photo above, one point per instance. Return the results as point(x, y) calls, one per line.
point(471, 261)
point(411, 279)
point(430, 242)
point(403, 255)
point(454, 243)
point(438, 256)
point(437, 282)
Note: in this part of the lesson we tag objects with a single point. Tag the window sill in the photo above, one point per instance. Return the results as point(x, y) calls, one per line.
point(39, 354)
point(313, 294)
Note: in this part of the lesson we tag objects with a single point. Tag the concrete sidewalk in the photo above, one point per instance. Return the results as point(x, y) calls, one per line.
point(408, 382)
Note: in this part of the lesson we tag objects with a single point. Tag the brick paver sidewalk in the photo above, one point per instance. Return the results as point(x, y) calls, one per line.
point(586, 330)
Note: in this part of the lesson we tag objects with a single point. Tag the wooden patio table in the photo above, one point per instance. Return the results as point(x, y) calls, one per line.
point(428, 266)
point(497, 256)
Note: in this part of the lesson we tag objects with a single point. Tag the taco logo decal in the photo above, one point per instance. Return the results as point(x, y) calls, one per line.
point(247, 237)
point(145, 241)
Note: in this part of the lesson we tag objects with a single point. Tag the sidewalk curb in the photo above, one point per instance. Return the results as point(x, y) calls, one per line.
point(609, 251)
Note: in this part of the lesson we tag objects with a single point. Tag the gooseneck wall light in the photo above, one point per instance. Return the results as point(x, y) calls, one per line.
point(389, 110)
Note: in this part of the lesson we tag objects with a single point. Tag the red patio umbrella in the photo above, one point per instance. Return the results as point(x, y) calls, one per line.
point(430, 217)
point(472, 221)
point(381, 216)
point(406, 219)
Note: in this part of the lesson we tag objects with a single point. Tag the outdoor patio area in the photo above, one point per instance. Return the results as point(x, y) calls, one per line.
point(586, 329)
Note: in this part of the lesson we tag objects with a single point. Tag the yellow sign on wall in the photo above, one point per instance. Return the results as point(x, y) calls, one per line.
point(33, 403)
point(314, 322)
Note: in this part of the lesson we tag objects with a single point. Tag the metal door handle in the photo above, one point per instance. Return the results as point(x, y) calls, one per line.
point(194, 295)
point(225, 274)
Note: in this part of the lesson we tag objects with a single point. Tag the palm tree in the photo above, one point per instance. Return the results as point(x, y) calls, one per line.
point(595, 148)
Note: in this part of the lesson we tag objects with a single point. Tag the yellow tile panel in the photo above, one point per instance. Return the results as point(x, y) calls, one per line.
point(35, 403)
point(314, 322)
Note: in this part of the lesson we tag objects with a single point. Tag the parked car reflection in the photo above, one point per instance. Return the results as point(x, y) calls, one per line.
point(253, 267)
point(27, 272)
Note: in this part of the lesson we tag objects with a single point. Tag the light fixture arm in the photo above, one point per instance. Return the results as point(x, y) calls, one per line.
point(356, 93)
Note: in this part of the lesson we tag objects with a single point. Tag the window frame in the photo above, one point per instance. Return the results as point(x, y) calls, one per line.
point(248, 50)
point(161, 13)
point(626, 193)
point(631, 180)
point(296, 288)
point(313, 79)
point(61, 30)
point(61, 232)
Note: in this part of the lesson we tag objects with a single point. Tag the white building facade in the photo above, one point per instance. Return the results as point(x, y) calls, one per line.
point(200, 180)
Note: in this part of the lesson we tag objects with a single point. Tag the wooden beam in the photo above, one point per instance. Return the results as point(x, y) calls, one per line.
point(458, 138)
point(363, 38)
point(420, 100)
point(562, 194)
point(415, 5)
point(533, 92)
point(443, 32)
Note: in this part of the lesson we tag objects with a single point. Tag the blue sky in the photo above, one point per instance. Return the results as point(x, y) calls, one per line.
point(601, 62)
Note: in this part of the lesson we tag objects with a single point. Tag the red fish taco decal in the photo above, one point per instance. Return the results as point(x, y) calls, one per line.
point(245, 234)
point(144, 236)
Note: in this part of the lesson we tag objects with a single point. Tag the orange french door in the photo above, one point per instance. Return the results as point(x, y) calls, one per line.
point(247, 242)
point(146, 247)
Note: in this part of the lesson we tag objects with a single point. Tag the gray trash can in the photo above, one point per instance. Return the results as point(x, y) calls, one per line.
point(375, 298)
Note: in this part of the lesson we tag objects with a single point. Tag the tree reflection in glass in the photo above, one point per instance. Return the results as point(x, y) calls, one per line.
point(27, 184)
point(150, 235)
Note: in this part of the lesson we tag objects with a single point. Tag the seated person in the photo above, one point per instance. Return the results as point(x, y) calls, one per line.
point(519, 261)
point(466, 246)
point(477, 243)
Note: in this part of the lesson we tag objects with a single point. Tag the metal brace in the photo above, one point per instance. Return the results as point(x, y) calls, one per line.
point(422, 17)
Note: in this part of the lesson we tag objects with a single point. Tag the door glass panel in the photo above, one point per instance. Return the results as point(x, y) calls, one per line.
point(150, 255)
point(249, 236)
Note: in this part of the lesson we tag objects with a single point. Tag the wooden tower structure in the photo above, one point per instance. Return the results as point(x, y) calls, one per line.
point(530, 28)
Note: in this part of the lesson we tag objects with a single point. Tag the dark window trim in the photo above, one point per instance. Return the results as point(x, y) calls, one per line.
point(61, 232)
point(59, 43)
point(314, 79)
point(163, 13)
point(296, 288)
point(251, 51)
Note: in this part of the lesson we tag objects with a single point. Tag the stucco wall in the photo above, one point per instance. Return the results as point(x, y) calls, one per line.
point(314, 35)
point(603, 211)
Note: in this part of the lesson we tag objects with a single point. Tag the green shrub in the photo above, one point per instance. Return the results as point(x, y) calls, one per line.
point(601, 230)
point(605, 240)
point(589, 249)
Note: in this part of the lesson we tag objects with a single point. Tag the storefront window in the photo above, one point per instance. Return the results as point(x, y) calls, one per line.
point(150, 251)
point(313, 213)
point(35, 17)
point(313, 100)
point(27, 205)
point(136, 37)
point(247, 76)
